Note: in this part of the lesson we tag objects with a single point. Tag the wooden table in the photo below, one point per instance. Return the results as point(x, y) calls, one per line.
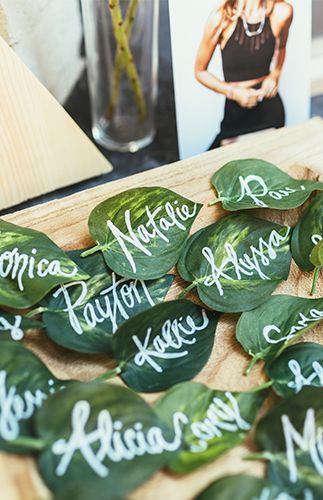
point(298, 151)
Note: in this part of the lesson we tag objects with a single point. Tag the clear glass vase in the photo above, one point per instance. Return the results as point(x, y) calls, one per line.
point(121, 40)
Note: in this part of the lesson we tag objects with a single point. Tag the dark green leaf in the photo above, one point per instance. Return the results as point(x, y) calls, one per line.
point(240, 487)
point(141, 231)
point(307, 233)
point(254, 183)
point(237, 262)
point(267, 330)
point(25, 383)
point(103, 435)
point(30, 266)
point(167, 344)
point(14, 326)
point(84, 315)
point(211, 422)
point(292, 436)
point(298, 366)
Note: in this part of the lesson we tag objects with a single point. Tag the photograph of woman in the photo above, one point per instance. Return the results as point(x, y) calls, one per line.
point(252, 36)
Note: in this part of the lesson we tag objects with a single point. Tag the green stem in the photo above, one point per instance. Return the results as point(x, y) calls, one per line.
point(91, 251)
point(130, 67)
point(264, 455)
point(29, 442)
point(252, 363)
point(263, 386)
point(120, 62)
point(215, 201)
point(186, 290)
point(36, 312)
point(315, 278)
point(109, 374)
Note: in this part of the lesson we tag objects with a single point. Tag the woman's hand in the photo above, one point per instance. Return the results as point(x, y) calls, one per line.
point(269, 87)
point(245, 97)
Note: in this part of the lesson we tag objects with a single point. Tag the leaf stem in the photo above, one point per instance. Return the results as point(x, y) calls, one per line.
point(91, 251)
point(36, 312)
point(252, 363)
point(30, 443)
point(263, 386)
point(109, 374)
point(315, 278)
point(263, 455)
point(186, 290)
point(215, 201)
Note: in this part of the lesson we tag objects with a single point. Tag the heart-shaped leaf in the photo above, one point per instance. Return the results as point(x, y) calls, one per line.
point(316, 258)
point(84, 315)
point(13, 327)
point(103, 435)
point(307, 233)
point(141, 231)
point(241, 487)
point(167, 344)
point(292, 436)
point(31, 265)
point(267, 330)
point(237, 262)
point(211, 422)
point(254, 183)
point(25, 384)
point(298, 366)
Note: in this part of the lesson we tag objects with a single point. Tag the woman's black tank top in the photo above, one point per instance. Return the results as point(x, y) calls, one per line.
point(247, 58)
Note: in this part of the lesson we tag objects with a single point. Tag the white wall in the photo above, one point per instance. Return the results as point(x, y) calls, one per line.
point(46, 34)
point(199, 110)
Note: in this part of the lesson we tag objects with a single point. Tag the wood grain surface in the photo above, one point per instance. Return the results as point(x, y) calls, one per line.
point(298, 151)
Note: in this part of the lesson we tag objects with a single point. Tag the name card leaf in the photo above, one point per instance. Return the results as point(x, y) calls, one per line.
point(254, 183)
point(266, 331)
point(167, 344)
point(141, 231)
point(237, 262)
point(84, 315)
point(30, 266)
point(307, 233)
point(243, 487)
point(299, 366)
point(25, 383)
point(14, 326)
point(211, 422)
point(291, 434)
point(103, 435)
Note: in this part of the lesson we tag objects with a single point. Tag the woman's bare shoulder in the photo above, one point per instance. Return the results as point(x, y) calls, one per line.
point(283, 12)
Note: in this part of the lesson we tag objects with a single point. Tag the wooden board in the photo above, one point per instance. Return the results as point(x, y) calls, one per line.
point(41, 148)
point(298, 151)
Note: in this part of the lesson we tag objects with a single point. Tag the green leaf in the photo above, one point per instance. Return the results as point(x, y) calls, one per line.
point(298, 366)
point(14, 326)
point(30, 266)
point(316, 258)
point(103, 435)
point(167, 344)
point(254, 183)
point(237, 262)
point(267, 330)
point(307, 233)
point(141, 231)
point(292, 433)
point(212, 422)
point(25, 384)
point(84, 315)
point(240, 487)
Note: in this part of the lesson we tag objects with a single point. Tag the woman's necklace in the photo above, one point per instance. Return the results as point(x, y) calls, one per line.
point(262, 24)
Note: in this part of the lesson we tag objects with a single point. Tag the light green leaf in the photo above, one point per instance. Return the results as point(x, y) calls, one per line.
point(316, 258)
point(254, 183)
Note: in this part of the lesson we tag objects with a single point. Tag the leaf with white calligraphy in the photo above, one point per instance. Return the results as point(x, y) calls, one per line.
point(30, 266)
point(242, 487)
point(266, 331)
point(103, 435)
point(14, 326)
point(141, 231)
point(212, 421)
point(84, 315)
point(25, 383)
point(291, 435)
point(255, 183)
point(299, 366)
point(167, 344)
point(307, 233)
point(237, 262)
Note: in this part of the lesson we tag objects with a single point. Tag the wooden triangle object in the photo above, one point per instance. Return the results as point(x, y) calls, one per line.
point(41, 148)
